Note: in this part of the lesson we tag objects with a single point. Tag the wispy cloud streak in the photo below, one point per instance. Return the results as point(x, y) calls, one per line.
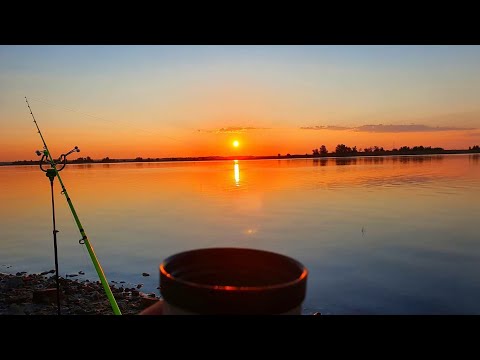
point(232, 130)
point(406, 128)
point(380, 128)
point(325, 127)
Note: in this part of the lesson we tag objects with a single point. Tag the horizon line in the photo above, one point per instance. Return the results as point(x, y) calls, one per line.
point(427, 151)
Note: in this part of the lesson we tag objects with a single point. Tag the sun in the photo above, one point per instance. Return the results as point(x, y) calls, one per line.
point(236, 143)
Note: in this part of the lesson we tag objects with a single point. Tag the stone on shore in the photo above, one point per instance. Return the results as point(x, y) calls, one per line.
point(35, 294)
point(46, 296)
point(48, 272)
point(14, 282)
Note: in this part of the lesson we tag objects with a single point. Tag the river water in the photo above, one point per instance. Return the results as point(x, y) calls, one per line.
point(379, 235)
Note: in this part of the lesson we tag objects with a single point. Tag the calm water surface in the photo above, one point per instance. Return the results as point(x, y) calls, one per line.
point(383, 235)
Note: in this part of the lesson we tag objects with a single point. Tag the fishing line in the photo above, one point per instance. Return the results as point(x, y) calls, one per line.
point(110, 121)
point(241, 129)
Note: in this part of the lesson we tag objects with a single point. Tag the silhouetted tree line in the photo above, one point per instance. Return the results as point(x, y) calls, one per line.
point(344, 150)
point(320, 152)
point(140, 159)
point(374, 149)
point(82, 160)
point(340, 150)
point(24, 162)
point(417, 149)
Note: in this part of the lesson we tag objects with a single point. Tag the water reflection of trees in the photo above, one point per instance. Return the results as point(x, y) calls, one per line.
point(345, 161)
point(321, 162)
point(377, 160)
point(373, 160)
point(419, 159)
point(83, 166)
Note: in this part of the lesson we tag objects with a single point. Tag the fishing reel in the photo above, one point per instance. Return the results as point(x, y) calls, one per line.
point(61, 160)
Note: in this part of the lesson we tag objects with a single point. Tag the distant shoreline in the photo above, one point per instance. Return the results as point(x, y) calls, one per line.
point(268, 157)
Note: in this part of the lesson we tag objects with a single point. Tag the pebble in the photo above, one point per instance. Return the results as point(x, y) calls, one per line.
point(14, 282)
point(46, 296)
point(48, 272)
point(77, 297)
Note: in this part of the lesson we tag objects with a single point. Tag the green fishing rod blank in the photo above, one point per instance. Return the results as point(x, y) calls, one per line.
point(84, 240)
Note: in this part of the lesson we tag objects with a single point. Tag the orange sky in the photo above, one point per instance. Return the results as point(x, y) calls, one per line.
point(162, 101)
point(99, 141)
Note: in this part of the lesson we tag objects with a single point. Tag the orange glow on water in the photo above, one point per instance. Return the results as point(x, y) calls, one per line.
point(248, 192)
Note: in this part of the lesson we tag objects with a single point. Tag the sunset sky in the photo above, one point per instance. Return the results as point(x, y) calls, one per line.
point(162, 101)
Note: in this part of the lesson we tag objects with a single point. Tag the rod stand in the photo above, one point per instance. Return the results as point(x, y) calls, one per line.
point(51, 174)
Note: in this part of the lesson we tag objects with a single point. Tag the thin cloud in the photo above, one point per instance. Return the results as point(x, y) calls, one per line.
point(380, 128)
point(474, 134)
point(325, 127)
point(232, 130)
point(406, 128)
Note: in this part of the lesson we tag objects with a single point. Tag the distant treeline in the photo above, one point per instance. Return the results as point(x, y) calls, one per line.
point(340, 150)
point(343, 150)
point(107, 160)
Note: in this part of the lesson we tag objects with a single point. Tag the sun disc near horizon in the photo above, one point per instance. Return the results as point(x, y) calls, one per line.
point(236, 143)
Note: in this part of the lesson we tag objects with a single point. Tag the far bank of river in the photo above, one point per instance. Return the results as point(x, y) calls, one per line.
point(243, 158)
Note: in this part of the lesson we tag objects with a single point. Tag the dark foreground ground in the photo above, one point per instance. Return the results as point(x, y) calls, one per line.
point(35, 294)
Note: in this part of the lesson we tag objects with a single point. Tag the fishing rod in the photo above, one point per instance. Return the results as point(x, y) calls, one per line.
point(84, 240)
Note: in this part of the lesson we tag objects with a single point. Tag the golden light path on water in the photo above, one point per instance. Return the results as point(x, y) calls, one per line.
point(236, 170)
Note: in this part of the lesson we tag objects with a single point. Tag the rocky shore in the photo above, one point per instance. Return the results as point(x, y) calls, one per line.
point(36, 294)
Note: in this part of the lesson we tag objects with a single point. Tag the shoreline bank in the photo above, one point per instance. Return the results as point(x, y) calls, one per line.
point(243, 158)
point(35, 294)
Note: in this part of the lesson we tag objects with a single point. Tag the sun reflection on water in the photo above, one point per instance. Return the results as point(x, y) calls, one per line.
point(236, 171)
